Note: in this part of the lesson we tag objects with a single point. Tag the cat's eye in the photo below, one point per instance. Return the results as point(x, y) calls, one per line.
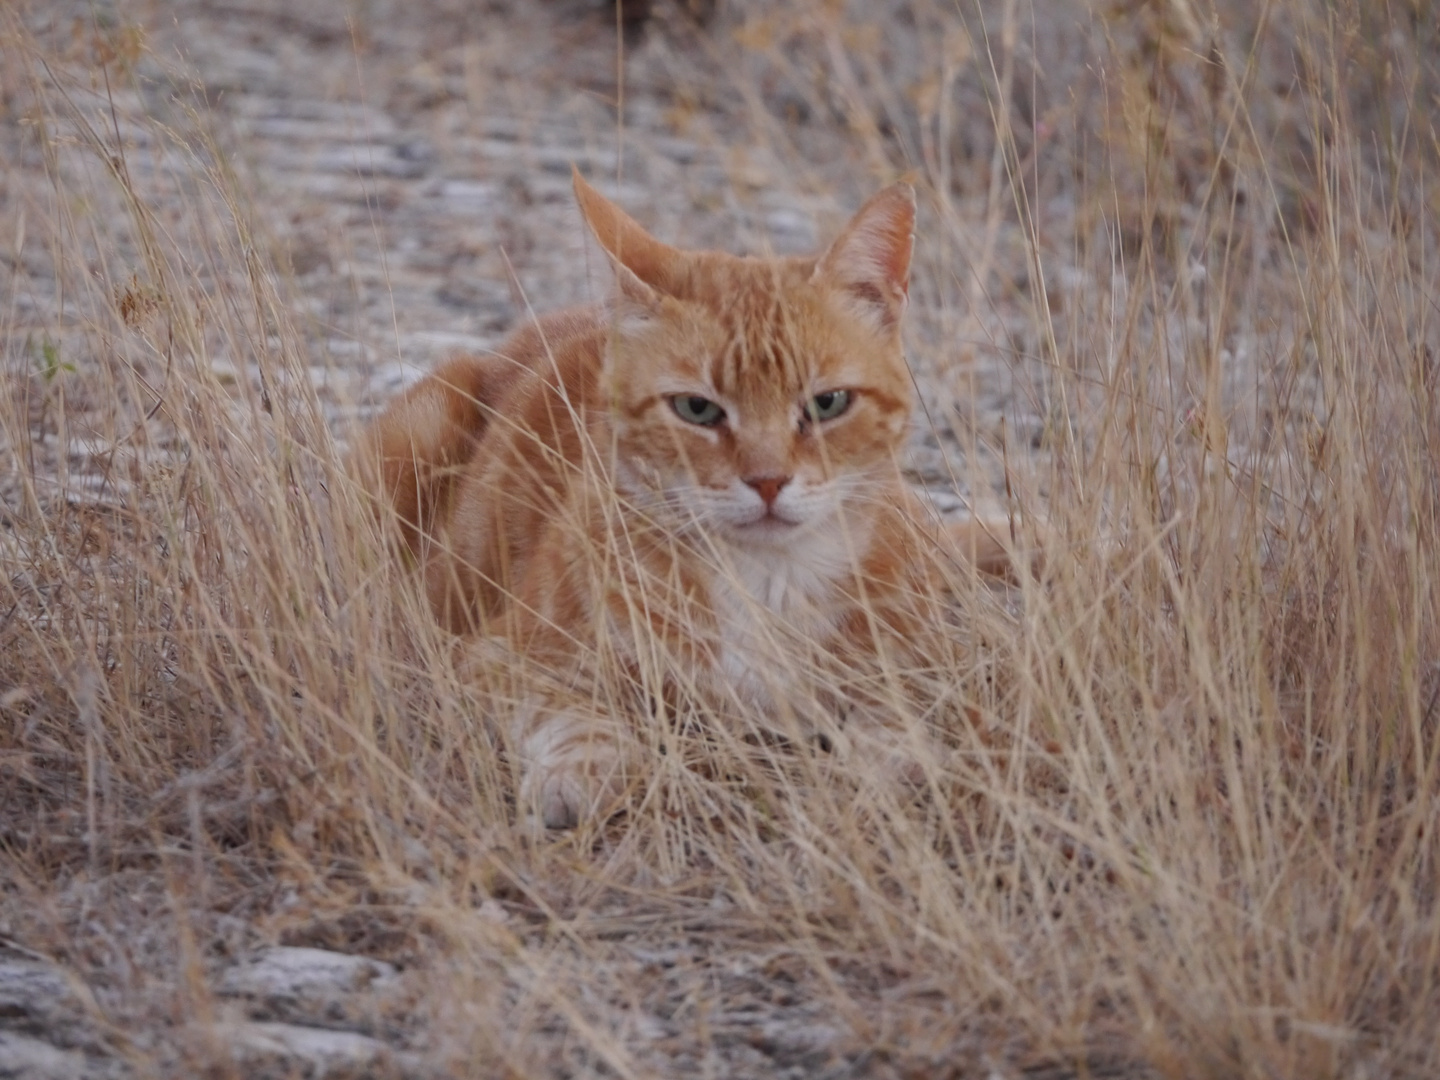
point(694, 409)
point(828, 405)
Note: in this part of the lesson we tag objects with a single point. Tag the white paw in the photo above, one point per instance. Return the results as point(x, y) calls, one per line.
point(565, 796)
point(571, 774)
point(885, 753)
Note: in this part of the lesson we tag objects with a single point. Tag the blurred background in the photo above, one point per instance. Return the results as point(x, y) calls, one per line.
point(409, 162)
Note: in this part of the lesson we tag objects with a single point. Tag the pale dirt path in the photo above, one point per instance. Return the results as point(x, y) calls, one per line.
point(410, 167)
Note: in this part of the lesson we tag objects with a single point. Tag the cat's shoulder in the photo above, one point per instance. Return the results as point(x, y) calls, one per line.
point(549, 336)
point(558, 357)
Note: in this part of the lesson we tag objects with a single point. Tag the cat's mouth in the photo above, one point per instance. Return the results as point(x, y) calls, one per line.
point(766, 525)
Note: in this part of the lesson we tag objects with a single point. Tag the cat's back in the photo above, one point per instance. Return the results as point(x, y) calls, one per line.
point(555, 363)
point(559, 339)
point(523, 464)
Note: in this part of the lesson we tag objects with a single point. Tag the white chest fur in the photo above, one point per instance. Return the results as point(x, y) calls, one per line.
point(773, 605)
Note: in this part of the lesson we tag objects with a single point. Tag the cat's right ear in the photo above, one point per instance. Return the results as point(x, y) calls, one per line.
point(644, 267)
point(870, 261)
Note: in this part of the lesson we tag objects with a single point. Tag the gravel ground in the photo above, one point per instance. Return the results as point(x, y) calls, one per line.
point(411, 172)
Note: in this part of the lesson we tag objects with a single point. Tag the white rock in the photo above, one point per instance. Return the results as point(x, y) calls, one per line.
point(32, 989)
point(294, 973)
point(320, 1051)
point(24, 1058)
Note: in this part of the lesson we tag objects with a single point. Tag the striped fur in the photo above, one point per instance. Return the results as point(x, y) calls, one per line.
point(557, 492)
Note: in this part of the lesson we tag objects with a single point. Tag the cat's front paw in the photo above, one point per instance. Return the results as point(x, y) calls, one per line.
point(571, 774)
point(564, 796)
point(885, 753)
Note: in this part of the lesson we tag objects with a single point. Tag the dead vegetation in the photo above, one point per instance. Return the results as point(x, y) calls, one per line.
point(1187, 824)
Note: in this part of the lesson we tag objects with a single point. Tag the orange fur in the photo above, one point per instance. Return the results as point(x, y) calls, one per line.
point(702, 464)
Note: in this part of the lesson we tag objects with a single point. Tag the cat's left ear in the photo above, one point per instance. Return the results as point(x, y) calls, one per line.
point(870, 261)
point(644, 267)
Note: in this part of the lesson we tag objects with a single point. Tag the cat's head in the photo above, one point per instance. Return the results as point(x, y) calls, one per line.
point(761, 399)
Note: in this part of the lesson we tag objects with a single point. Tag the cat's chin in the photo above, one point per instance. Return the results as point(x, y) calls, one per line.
point(768, 531)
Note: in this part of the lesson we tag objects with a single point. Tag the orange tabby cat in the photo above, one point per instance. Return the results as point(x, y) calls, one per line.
point(705, 465)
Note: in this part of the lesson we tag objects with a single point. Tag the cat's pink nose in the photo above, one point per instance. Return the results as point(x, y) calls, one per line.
point(768, 486)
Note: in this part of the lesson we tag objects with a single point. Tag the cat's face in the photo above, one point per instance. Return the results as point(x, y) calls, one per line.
point(758, 399)
point(759, 415)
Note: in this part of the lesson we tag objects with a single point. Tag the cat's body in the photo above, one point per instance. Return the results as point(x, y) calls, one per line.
point(705, 466)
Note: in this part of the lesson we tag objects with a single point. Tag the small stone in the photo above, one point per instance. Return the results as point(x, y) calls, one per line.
point(33, 990)
point(318, 1052)
point(287, 976)
point(24, 1058)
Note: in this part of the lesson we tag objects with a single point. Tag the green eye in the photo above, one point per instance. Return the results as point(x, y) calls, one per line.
point(694, 409)
point(828, 405)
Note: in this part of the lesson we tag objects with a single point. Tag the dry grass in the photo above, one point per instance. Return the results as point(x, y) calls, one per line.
point(1188, 824)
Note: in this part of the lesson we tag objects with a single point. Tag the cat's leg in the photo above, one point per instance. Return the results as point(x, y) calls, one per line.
point(863, 718)
point(575, 758)
point(884, 745)
point(574, 764)
point(873, 712)
point(411, 453)
point(998, 547)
